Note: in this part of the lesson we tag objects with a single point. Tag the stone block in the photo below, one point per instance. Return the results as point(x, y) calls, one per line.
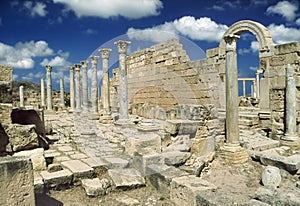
point(57, 179)
point(141, 162)
point(16, 181)
point(37, 157)
point(93, 187)
point(38, 183)
point(181, 143)
point(186, 189)
point(116, 162)
point(175, 158)
point(142, 143)
point(182, 127)
point(78, 168)
point(126, 178)
point(271, 177)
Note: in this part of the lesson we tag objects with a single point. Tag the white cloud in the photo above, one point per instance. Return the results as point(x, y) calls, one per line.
point(58, 62)
point(131, 9)
point(30, 76)
point(259, 2)
point(282, 34)
point(253, 68)
point(254, 47)
point(21, 55)
point(90, 31)
point(39, 9)
point(284, 8)
point(196, 29)
point(298, 21)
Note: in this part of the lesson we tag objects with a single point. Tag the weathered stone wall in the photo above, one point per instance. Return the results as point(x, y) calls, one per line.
point(5, 84)
point(16, 181)
point(5, 111)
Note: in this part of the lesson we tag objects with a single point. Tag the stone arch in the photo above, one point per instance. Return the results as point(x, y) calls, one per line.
point(260, 31)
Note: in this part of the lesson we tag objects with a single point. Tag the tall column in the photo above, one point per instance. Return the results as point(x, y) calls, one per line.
point(254, 85)
point(77, 87)
point(49, 87)
point(72, 92)
point(105, 81)
point(290, 105)
point(21, 91)
point(122, 48)
point(94, 92)
point(244, 88)
point(62, 92)
point(258, 72)
point(232, 117)
point(85, 97)
point(42, 93)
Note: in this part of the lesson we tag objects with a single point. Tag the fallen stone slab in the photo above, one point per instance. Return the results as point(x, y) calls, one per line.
point(141, 162)
point(127, 201)
point(160, 176)
point(36, 156)
point(116, 162)
point(59, 179)
point(255, 202)
point(96, 163)
point(79, 169)
point(182, 127)
point(175, 158)
point(126, 178)
point(186, 190)
point(93, 187)
point(181, 143)
point(38, 183)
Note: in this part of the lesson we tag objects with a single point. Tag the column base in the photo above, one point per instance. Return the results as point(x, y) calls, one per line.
point(106, 119)
point(234, 154)
point(124, 123)
point(291, 140)
point(94, 116)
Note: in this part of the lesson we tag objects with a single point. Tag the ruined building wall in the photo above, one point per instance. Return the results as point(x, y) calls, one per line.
point(6, 84)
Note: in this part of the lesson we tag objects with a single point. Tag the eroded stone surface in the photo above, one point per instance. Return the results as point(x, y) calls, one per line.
point(126, 178)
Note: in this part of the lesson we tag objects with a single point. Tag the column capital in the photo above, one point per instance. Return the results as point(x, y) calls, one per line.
point(94, 59)
point(84, 64)
point(231, 42)
point(122, 46)
point(71, 68)
point(77, 67)
point(48, 68)
point(105, 52)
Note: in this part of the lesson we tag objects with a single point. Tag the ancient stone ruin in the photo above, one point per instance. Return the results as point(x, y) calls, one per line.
point(165, 131)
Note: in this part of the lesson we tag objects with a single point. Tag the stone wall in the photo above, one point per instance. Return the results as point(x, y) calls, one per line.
point(5, 84)
point(16, 181)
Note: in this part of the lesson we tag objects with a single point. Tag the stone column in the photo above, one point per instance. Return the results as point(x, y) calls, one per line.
point(72, 92)
point(232, 117)
point(77, 87)
point(42, 93)
point(21, 91)
point(105, 83)
point(122, 48)
point(62, 92)
point(290, 105)
point(85, 97)
point(244, 88)
point(254, 85)
point(232, 151)
point(94, 92)
point(258, 72)
point(49, 87)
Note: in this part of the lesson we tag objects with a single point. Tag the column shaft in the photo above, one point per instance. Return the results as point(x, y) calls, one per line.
point(21, 91)
point(85, 98)
point(257, 84)
point(244, 88)
point(49, 87)
point(42, 93)
point(232, 117)
point(94, 90)
point(62, 92)
point(77, 87)
point(72, 92)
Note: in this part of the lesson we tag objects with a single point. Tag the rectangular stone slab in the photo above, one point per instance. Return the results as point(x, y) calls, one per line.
point(126, 178)
point(78, 168)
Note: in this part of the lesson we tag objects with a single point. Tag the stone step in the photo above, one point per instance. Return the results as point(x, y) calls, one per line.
point(79, 169)
point(57, 179)
point(116, 162)
point(126, 178)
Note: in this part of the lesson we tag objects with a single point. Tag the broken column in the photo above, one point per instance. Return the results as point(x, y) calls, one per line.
point(85, 98)
point(290, 107)
point(105, 84)
point(123, 110)
point(42, 93)
point(49, 87)
point(94, 92)
point(21, 91)
point(232, 150)
point(72, 92)
point(77, 87)
point(62, 92)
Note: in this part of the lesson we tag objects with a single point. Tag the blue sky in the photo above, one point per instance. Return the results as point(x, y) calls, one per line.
point(35, 33)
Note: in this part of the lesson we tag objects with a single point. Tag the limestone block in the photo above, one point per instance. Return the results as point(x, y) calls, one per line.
point(175, 158)
point(126, 178)
point(78, 168)
point(22, 137)
point(271, 177)
point(141, 162)
point(203, 146)
point(16, 181)
point(185, 190)
point(181, 127)
point(57, 179)
point(181, 143)
point(142, 143)
point(116, 162)
point(37, 157)
point(93, 187)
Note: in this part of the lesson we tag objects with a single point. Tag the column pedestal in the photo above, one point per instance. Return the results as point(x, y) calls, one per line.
point(234, 154)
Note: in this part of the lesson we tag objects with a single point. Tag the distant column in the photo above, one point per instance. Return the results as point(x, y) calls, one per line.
point(122, 49)
point(105, 81)
point(258, 72)
point(85, 98)
point(42, 93)
point(232, 117)
point(244, 88)
point(49, 87)
point(72, 92)
point(77, 87)
point(62, 93)
point(21, 91)
point(94, 92)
